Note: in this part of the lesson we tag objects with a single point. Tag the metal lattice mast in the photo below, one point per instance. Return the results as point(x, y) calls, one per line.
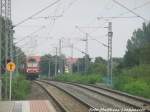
point(109, 65)
point(0, 57)
point(6, 14)
point(56, 62)
point(60, 57)
point(86, 55)
point(3, 11)
point(0, 48)
point(9, 9)
point(3, 8)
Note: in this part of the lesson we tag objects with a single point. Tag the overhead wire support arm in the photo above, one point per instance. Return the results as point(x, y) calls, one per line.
point(117, 17)
point(47, 17)
point(77, 49)
point(38, 12)
point(90, 35)
point(99, 42)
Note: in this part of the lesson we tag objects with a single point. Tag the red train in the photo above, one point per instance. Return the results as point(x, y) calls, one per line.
point(32, 67)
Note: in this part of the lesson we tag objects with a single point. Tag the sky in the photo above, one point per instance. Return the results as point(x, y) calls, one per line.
point(70, 20)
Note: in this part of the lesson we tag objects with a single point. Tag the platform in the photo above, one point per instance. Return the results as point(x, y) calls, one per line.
point(26, 106)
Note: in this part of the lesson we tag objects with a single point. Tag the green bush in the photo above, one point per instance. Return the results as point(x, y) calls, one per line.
point(135, 80)
point(138, 87)
point(86, 79)
point(20, 87)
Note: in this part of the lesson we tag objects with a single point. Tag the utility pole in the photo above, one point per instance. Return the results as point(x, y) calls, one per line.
point(109, 62)
point(49, 68)
point(0, 57)
point(17, 63)
point(78, 66)
point(86, 51)
point(86, 61)
point(56, 61)
point(71, 61)
point(60, 58)
point(6, 54)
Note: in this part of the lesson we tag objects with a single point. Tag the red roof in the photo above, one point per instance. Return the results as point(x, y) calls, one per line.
point(37, 58)
point(71, 60)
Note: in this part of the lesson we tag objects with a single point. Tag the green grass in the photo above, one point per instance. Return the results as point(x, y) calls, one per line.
point(85, 79)
point(20, 87)
point(135, 81)
point(138, 87)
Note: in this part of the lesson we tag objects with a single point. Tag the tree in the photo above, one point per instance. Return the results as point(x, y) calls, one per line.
point(100, 60)
point(138, 47)
point(19, 59)
point(46, 59)
point(99, 66)
point(81, 64)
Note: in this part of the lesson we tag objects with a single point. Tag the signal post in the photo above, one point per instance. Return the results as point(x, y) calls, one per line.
point(10, 68)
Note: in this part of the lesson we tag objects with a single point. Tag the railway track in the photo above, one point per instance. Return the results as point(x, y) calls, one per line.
point(99, 97)
point(134, 101)
point(65, 101)
point(138, 102)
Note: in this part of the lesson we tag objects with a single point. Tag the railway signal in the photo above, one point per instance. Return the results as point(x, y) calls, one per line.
point(10, 68)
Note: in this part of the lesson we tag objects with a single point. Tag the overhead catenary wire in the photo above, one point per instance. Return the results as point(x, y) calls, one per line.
point(135, 8)
point(120, 16)
point(39, 29)
point(98, 41)
point(38, 12)
point(140, 6)
point(80, 50)
point(32, 17)
point(77, 49)
point(91, 36)
point(144, 19)
point(29, 36)
point(22, 46)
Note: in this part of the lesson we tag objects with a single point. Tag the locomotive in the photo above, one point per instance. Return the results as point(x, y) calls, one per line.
point(32, 67)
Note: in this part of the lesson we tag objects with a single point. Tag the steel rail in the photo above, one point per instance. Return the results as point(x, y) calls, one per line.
point(145, 102)
point(145, 106)
point(73, 96)
point(55, 101)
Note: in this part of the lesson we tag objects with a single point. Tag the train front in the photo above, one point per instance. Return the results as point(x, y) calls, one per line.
point(32, 68)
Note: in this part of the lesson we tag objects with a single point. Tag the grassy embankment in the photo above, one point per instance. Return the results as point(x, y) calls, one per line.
point(20, 87)
point(85, 79)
